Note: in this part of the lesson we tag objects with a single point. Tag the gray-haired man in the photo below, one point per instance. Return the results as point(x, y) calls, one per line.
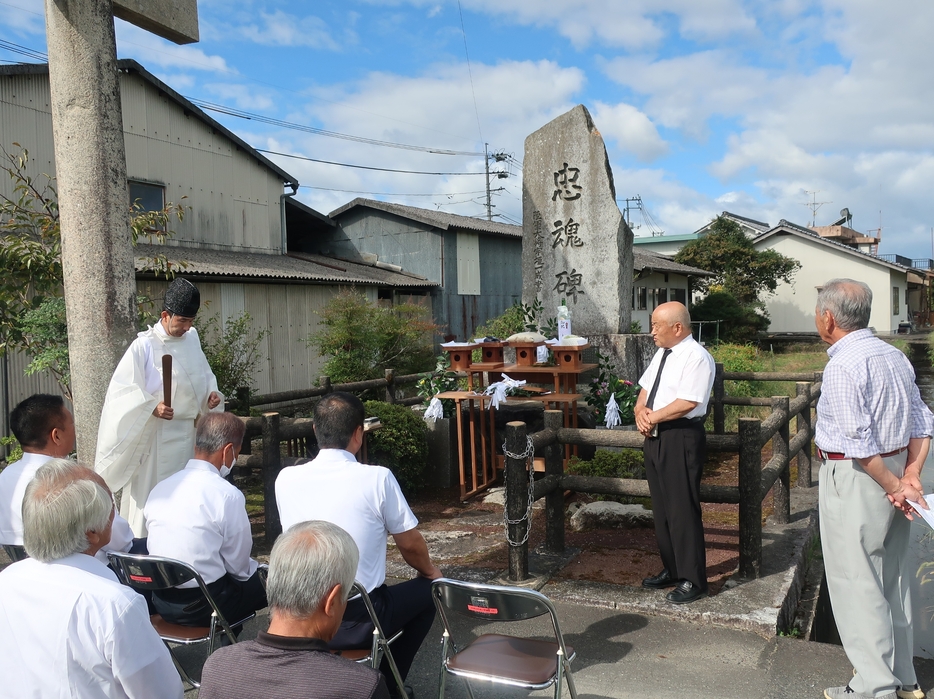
point(197, 517)
point(311, 571)
point(873, 433)
point(67, 627)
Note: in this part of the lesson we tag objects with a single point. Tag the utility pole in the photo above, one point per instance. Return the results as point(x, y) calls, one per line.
point(486, 164)
point(499, 157)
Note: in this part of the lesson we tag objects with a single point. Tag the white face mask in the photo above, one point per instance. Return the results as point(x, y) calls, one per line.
point(225, 469)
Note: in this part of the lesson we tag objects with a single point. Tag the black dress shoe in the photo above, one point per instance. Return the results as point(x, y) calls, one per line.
point(685, 592)
point(662, 580)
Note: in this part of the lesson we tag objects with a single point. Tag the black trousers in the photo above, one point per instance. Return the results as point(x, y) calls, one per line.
point(236, 599)
point(406, 606)
point(674, 464)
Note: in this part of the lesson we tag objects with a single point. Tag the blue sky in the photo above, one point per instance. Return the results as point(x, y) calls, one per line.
point(705, 105)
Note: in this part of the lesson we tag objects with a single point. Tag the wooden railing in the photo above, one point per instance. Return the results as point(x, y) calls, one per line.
point(303, 396)
point(754, 481)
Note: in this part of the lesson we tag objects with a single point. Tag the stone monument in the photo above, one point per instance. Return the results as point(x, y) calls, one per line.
point(576, 245)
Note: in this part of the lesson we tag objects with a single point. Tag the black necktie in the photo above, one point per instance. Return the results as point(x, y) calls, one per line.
point(650, 403)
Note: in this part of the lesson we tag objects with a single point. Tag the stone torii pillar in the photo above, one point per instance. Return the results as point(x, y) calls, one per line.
point(90, 163)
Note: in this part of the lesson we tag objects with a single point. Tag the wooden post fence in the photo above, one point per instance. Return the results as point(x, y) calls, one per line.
point(517, 501)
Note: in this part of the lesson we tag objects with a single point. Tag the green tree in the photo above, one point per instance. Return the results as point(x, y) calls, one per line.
point(739, 269)
point(32, 311)
point(738, 323)
point(362, 339)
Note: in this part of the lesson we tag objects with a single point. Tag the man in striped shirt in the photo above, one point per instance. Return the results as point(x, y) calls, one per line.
point(873, 434)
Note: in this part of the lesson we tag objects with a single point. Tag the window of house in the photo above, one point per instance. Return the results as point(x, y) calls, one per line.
point(150, 197)
point(679, 295)
point(895, 302)
point(641, 301)
point(658, 297)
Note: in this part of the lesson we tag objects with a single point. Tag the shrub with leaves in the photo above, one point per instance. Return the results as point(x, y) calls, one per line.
point(233, 354)
point(607, 383)
point(401, 444)
point(362, 339)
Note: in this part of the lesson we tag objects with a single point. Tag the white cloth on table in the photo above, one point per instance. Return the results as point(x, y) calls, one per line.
point(69, 629)
point(13, 481)
point(135, 449)
point(197, 517)
point(366, 501)
point(689, 374)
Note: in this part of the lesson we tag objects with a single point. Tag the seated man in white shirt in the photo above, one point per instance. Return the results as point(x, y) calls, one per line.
point(197, 517)
point(367, 502)
point(67, 627)
point(45, 429)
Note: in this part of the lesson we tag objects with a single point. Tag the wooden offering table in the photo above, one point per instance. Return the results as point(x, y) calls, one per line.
point(474, 477)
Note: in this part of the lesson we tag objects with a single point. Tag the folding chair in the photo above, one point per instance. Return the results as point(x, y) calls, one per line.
point(510, 660)
point(15, 552)
point(157, 573)
point(380, 645)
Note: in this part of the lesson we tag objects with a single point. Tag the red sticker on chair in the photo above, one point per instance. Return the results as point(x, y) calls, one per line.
point(141, 578)
point(482, 610)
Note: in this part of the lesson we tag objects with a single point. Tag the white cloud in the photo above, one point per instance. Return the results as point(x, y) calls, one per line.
point(24, 18)
point(634, 24)
point(243, 97)
point(632, 130)
point(148, 49)
point(280, 28)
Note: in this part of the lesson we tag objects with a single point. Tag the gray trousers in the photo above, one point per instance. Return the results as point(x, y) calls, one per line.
point(865, 546)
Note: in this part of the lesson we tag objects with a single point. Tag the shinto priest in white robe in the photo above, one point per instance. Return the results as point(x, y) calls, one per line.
point(135, 449)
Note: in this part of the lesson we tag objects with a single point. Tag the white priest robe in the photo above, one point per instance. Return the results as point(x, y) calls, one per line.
point(135, 449)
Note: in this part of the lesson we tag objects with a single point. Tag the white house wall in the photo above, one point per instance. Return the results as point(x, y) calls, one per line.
point(234, 199)
point(791, 309)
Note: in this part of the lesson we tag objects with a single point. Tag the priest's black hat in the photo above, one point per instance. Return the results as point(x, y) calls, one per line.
point(182, 298)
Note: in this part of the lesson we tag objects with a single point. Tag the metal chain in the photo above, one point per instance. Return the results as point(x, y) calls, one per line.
point(526, 456)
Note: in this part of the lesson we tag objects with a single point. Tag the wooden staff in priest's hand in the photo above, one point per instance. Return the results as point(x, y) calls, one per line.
point(167, 380)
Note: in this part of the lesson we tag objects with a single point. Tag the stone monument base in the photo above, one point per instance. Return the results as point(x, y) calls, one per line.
point(629, 353)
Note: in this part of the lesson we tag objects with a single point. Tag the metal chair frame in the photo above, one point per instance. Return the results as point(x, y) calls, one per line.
point(502, 604)
point(15, 552)
point(380, 643)
point(152, 573)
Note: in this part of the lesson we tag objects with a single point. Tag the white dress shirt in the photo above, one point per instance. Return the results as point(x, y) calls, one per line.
point(688, 374)
point(69, 629)
point(199, 518)
point(364, 500)
point(13, 481)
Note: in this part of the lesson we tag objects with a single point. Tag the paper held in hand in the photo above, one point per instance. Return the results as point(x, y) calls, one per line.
point(927, 515)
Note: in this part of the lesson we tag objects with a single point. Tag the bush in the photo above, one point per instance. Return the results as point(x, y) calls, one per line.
point(233, 354)
point(740, 324)
point(626, 463)
point(401, 445)
point(739, 358)
point(510, 322)
point(363, 339)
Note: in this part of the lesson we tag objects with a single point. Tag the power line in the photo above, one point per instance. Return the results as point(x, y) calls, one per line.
point(469, 71)
point(23, 50)
point(392, 194)
point(367, 167)
point(322, 132)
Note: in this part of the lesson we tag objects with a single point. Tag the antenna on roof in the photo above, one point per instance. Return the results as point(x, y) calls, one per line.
point(814, 205)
